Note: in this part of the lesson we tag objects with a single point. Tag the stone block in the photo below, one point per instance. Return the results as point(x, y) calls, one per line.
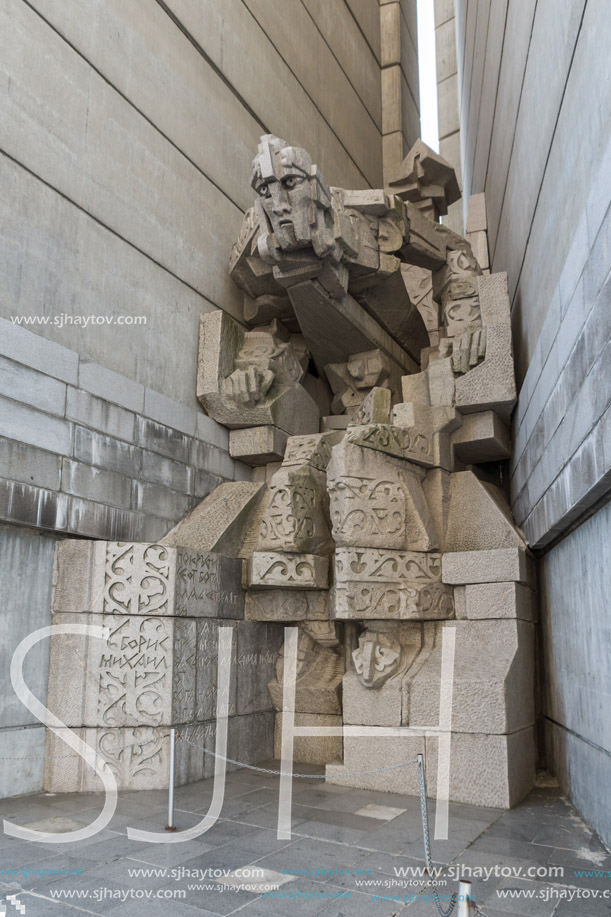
point(377, 501)
point(99, 414)
point(496, 566)
point(24, 424)
point(257, 445)
point(145, 579)
point(37, 352)
point(374, 409)
point(493, 678)
point(96, 484)
point(34, 506)
point(311, 749)
point(142, 674)
point(494, 299)
point(112, 454)
point(250, 739)
point(335, 422)
point(491, 384)
point(369, 706)
point(157, 499)
point(385, 755)
point(487, 770)
point(165, 471)
point(267, 569)
point(411, 444)
point(390, 585)
point(481, 438)
point(479, 245)
point(169, 412)
point(334, 329)
point(286, 605)
point(258, 646)
point(314, 450)
point(21, 462)
point(479, 518)
point(296, 517)
point(156, 437)
point(499, 600)
point(111, 386)
point(30, 387)
point(476, 215)
point(220, 521)
point(391, 602)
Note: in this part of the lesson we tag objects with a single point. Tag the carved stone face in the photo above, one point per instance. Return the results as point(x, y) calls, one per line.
point(282, 177)
point(293, 198)
point(377, 658)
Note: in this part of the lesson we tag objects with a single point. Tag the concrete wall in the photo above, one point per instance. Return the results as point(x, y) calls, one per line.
point(128, 136)
point(25, 606)
point(535, 136)
point(576, 632)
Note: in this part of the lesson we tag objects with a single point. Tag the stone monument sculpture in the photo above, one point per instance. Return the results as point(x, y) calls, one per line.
point(370, 388)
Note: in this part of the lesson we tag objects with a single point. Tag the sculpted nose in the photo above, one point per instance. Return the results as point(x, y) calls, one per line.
point(280, 199)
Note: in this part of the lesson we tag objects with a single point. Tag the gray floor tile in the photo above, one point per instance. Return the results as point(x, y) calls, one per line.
point(169, 854)
point(309, 854)
point(172, 908)
point(505, 847)
point(44, 907)
point(339, 834)
point(585, 907)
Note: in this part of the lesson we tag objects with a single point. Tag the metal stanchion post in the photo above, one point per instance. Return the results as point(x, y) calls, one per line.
point(465, 902)
point(170, 825)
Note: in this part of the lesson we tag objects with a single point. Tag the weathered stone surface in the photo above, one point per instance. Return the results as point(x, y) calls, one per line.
point(497, 653)
point(391, 601)
point(411, 444)
point(311, 749)
point(499, 600)
point(482, 437)
point(314, 450)
point(219, 522)
point(295, 518)
point(146, 579)
point(375, 408)
point(479, 519)
point(248, 379)
point(319, 676)
point(287, 605)
point(497, 566)
point(354, 380)
point(336, 328)
point(266, 569)
point(393, 585)
point(257, 445)
point(491, 385)
point(377, 501)
point(487, 770)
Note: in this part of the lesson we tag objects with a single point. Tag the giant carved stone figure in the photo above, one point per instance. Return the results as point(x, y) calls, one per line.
point(385, 522)
point(370, 388)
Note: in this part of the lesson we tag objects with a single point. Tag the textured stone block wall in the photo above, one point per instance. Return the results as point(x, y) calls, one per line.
point(86, 451)
point(535, 111)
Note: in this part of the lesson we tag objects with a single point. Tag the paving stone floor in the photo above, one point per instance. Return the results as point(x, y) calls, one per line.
point(341, 860)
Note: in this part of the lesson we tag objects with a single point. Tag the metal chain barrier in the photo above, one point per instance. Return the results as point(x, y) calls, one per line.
point(265, 770)
point(427, 841)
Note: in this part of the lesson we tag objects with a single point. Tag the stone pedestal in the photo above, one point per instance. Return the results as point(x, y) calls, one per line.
point(157, 666)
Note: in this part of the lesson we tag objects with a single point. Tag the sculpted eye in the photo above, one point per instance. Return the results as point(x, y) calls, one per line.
point(263, 190)
point(291, 181)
